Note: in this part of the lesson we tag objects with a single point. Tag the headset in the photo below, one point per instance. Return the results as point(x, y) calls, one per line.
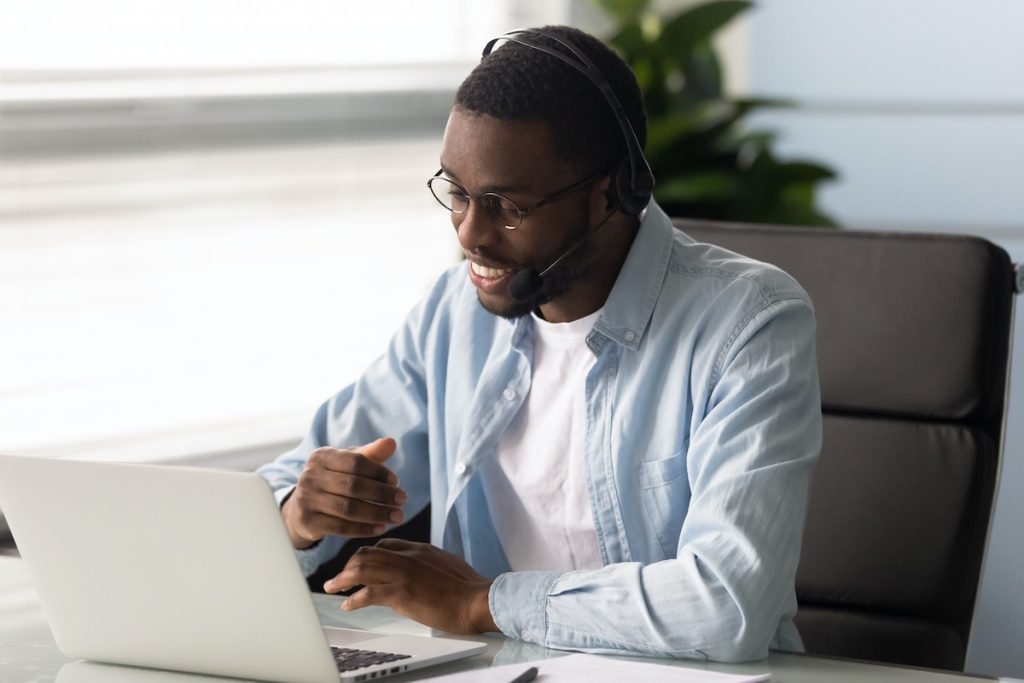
point(632, 179)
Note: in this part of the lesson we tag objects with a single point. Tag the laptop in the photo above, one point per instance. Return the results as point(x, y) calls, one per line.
point(185, 569)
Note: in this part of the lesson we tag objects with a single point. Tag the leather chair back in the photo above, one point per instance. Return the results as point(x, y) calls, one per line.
point(913, 342)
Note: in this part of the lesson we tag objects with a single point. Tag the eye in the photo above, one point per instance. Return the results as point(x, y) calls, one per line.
point(504, 206)
point(459, 199)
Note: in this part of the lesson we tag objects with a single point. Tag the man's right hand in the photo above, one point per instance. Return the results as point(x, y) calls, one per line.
point(344, 492)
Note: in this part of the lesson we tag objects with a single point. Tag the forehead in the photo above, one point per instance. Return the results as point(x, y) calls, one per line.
point(482, 151)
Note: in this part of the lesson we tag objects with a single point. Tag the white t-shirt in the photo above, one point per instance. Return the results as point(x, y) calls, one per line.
point(537, 486)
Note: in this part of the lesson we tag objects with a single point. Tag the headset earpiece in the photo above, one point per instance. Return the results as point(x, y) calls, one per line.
point(630, 188)
point(624, 198)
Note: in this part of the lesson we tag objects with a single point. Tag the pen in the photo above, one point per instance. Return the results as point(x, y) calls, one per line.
point(526, 676)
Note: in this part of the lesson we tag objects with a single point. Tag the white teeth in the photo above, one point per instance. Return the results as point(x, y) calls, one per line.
point(485, 272)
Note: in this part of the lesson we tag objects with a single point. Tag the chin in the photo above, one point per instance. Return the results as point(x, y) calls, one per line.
point(505, 306)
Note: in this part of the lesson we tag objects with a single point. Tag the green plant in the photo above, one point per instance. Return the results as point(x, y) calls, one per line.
point(707, 164)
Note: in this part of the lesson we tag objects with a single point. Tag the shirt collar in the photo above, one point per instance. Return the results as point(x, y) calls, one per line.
point(627, 312)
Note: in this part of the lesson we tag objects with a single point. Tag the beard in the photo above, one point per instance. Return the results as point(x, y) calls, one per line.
point(570, 272)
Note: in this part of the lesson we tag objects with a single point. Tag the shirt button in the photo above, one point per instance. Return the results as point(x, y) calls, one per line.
point(460, 468)
point(630, 335)
point(509, 394)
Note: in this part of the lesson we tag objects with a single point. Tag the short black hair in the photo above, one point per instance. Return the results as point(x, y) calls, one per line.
point(519, 83)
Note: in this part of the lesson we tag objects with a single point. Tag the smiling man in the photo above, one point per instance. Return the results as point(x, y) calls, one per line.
point(614, 426)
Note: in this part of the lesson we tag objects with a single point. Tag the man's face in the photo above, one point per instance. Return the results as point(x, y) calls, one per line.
point(517, 160)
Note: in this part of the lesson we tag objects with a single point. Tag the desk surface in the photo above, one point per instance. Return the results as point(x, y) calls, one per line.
point(28, 653)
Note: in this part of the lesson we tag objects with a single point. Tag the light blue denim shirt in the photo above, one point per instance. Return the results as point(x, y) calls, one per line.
point(703, 428)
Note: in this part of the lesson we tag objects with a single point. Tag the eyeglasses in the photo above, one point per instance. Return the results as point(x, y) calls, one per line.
point(453, 197)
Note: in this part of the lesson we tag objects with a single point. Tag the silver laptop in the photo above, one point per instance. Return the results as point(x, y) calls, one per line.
point(184, 569)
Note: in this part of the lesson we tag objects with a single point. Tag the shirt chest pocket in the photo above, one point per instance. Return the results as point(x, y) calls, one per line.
point(665, 491)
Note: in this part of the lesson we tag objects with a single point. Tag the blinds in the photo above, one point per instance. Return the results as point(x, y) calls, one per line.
point(196, 300)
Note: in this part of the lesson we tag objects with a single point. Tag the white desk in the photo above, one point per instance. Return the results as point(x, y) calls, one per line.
point(28, 653)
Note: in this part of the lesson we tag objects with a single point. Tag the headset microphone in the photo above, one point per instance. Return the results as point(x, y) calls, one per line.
point(526, 284)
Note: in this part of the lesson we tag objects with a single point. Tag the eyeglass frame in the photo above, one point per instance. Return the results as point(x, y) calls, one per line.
point(522, 213)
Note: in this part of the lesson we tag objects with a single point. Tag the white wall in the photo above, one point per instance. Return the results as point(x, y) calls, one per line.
point(920, 106)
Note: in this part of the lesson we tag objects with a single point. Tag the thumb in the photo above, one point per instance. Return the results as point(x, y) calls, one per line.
point(379, 450)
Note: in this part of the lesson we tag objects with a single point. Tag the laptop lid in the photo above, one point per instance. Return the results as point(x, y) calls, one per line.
point(166, 567)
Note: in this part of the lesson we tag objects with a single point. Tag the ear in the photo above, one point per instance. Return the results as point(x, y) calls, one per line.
point(601, 198)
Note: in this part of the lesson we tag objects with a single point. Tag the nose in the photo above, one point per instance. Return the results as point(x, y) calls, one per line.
point(475, 227)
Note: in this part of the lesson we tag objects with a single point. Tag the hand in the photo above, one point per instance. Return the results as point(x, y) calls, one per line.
point(418, 581)
point(344, 492)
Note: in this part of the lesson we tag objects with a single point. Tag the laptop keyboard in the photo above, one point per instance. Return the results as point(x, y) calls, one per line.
point(349, 659)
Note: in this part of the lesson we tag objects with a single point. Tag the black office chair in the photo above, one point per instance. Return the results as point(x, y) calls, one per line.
point(914, 333)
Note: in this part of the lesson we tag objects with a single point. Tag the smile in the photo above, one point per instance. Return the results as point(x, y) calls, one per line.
point(488, 273)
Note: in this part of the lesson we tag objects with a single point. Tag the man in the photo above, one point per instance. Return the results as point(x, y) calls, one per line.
point(618, 463)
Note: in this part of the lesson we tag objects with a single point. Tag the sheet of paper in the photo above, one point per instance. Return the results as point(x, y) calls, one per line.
point(580, 668)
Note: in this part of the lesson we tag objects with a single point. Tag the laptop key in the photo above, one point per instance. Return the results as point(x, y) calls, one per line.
point(349, 659)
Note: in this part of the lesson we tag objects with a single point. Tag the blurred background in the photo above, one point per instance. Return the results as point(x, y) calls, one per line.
point(213, 213)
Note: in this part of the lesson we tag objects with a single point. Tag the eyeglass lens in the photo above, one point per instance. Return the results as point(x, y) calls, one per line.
point(454, 198)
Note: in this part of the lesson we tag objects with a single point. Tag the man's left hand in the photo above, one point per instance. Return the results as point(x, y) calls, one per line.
point(418, 581)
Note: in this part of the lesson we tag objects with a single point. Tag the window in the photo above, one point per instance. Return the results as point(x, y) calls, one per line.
point(242, 34)
point(213, 213)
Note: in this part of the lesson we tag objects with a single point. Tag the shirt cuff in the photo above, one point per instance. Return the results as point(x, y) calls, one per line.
point(309, 558)
point(518, 603)
point(281, 494)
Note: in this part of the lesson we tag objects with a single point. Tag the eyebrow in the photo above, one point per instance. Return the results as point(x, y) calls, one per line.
point(498, 189)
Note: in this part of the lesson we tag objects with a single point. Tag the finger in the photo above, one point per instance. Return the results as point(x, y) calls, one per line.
point(398, 545)
point(350, 461)
point(379, 450)
point(363, 569)
point(360, 488)
point(352, 510)
point(368, 595)
point(316, 525)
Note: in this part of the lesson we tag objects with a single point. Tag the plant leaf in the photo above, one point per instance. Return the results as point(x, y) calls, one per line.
point(703, 74)
point(748, 104)
point(665, 130)
point(624, 11)
point(697, 187)
point(629, 42)
point(684, 138)
point(753, 139)
point(695, 25)
point(804, 172)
